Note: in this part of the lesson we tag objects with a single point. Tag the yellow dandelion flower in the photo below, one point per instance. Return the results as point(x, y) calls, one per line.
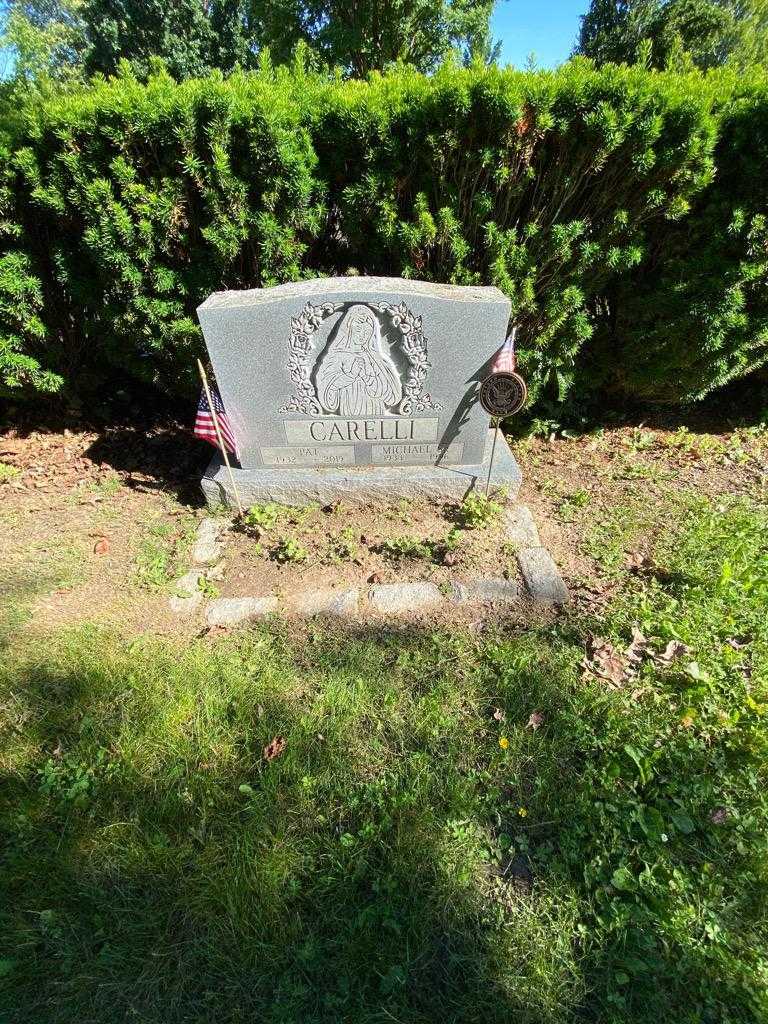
point(503, 742)
point(523, 812)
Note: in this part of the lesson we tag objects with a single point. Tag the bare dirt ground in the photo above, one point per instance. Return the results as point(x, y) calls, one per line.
point(79, 511)
point(574, 484)
point(345, 546)
point(95, 524)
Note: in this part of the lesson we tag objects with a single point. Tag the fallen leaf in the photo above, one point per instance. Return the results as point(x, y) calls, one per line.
point(637, 561)
point(274, 748)
point(638, 648)
point(375, 577)
point(101, 547)
point(604, 661)
point(675, 649)
point(738, 643)
point(536, 719)
point(213, 631)
point(499, 715)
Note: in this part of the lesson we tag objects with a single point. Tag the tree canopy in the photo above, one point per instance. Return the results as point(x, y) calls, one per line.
point(370, 34)
point(709, 32)
point(45, 40)
point(190, 36)
point(53, 40)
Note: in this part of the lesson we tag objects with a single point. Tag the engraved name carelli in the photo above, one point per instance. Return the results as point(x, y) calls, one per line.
point(339, 431)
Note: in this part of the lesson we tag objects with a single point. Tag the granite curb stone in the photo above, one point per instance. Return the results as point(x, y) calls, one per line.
point(207, 547)
point(542, 577)
point(520, 527)
point(188, 596)
point(231, 611)
point(400, 598)
point(324, 602)
point(498, 591)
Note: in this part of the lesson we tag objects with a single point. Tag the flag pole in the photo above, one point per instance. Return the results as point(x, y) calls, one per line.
point(493, 452)
point(223, 447)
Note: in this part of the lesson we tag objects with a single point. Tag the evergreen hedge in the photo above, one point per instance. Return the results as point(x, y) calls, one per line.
point(620, 205)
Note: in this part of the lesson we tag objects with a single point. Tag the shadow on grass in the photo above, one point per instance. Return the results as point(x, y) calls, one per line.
point(164, 895)
point(158, 868)
point(20, 587)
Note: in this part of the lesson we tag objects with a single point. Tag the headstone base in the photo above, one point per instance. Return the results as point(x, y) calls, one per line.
point(362, 485)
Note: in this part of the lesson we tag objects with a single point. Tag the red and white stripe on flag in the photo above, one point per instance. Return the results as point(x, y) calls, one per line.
point(504, 361)
point(204, 426)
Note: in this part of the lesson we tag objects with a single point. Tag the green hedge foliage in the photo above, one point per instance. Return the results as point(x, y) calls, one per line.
point(694, 315)
point(622, 210)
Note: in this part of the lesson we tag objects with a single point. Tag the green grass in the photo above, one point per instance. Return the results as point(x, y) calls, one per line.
point(609, 536)
point(477, 511)
point(397, 862)
point(57, 563)
point(163, 552)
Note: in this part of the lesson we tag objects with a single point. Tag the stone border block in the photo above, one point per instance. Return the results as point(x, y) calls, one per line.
point(187, 585)
point(498, 591)
point(542, 577)
point(401, 598)
point(324, 602)
point(231, 611)
point(187, 597)
point(207, 548)
point(186, 605)
point(520, 527)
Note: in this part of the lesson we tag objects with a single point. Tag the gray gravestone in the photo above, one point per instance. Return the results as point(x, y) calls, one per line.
point(354, 386)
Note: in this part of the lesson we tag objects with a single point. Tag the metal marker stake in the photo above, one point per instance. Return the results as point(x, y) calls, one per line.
point(493, 452)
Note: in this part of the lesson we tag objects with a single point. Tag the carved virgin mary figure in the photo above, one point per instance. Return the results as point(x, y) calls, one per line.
point(356, 377)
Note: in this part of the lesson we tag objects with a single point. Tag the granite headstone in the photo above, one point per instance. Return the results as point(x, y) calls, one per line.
point(333, 385)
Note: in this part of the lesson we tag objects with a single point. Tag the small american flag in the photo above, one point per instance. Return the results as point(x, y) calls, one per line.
point(204, 428)
point(504, 361)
